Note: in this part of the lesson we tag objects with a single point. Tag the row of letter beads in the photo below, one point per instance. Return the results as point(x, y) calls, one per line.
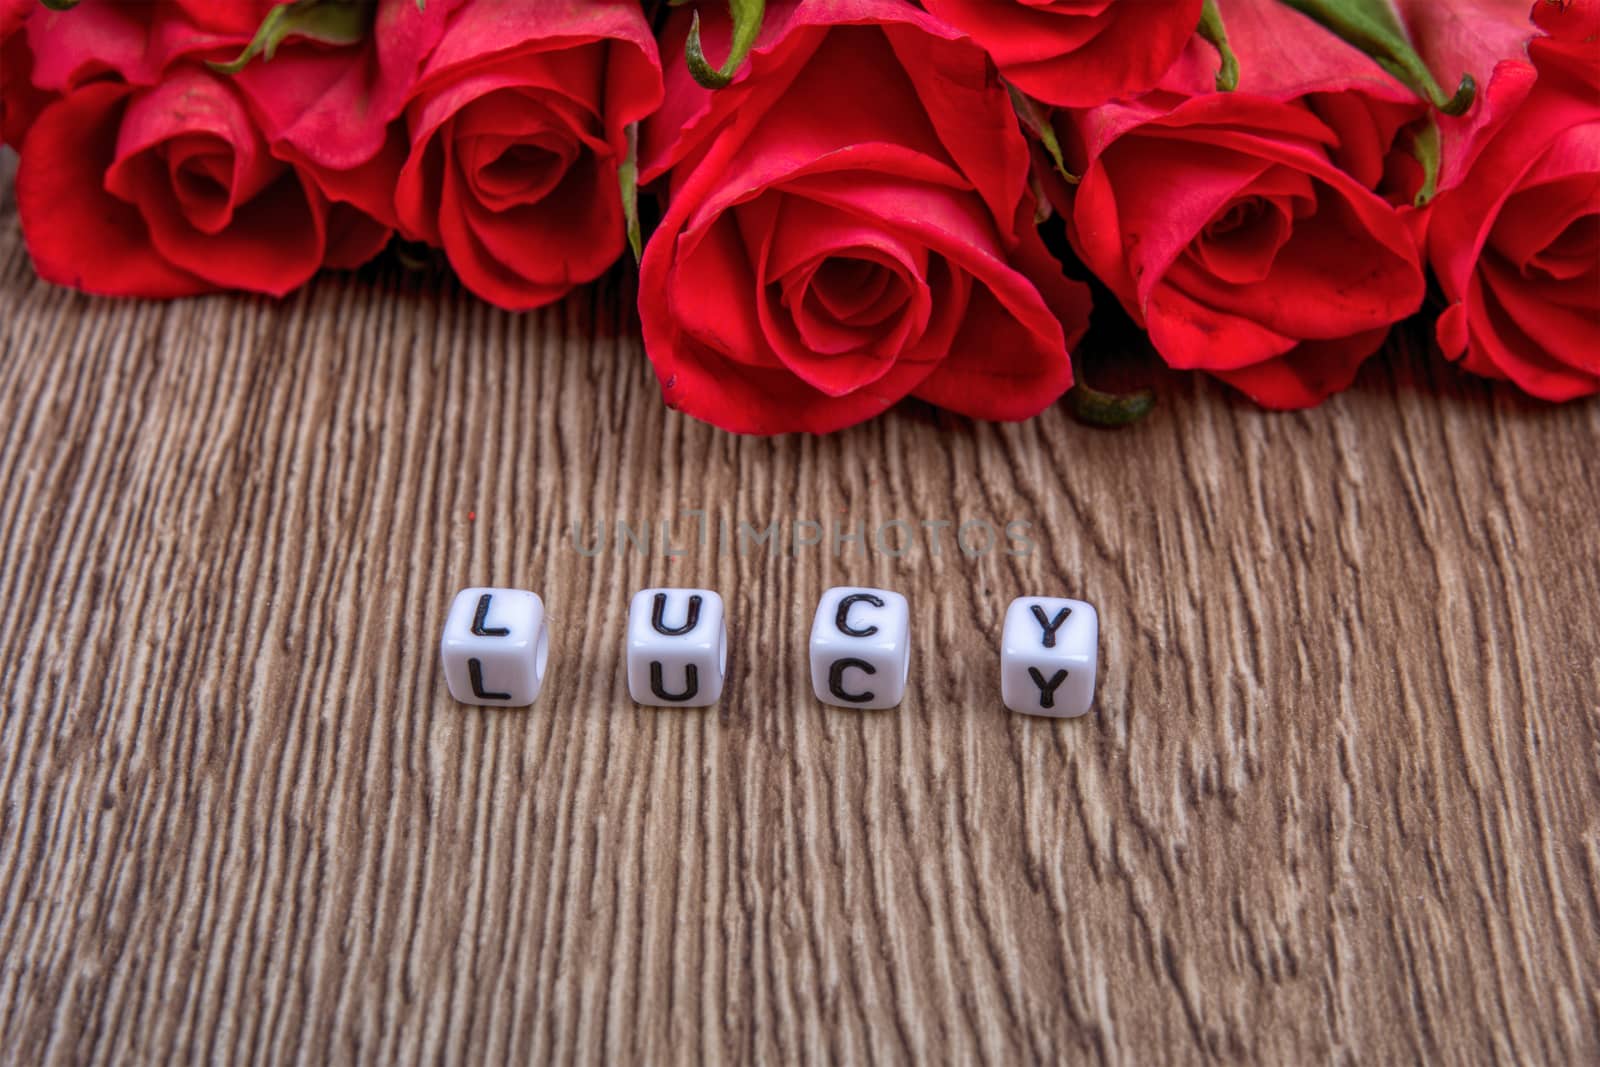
point(496, 647)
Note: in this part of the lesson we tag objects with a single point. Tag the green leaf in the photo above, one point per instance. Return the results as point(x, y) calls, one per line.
point(1037, 122)
point(1213, 30)
point(1373, 27)
point(628, 178)
point(328, 21)
point(747, 16)
point(59, 5)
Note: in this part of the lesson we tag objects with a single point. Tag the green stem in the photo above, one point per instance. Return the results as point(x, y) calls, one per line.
point(1107, 411)
point(628, 178)
point(1037, 122)
point(747, 16)
point(1213, 30)
point(330, 21)
point(1425, 146)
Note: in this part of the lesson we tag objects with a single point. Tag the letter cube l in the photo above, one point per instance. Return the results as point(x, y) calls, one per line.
point(495, 647)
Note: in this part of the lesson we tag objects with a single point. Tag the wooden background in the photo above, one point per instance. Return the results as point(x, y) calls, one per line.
point(1338, 799)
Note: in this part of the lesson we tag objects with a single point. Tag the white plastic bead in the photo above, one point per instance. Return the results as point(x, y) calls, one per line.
point(677, 647)
point(495, 647)
point(861, 648)
point(1049, 651)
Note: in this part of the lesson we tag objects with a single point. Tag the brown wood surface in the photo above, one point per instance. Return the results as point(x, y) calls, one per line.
point(1337, 801)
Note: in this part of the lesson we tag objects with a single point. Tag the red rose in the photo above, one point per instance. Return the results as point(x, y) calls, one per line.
point(1077, 53)
point(1243, 229)
point(847, 225)
point(170, 190)
point(1514, 238)
point(327, 108)
point(517, 131)
point(186, 187)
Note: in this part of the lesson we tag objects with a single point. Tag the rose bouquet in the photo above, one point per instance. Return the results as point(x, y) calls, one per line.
point(851, 202)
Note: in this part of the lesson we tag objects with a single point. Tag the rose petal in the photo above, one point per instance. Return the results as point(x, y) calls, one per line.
point(1498, 347)
point(951, 225)
point(790, 34)
point(1077, 54)
point(1032, 376)
point(20, 101)
point(712, 294)
point(1567, 331)
point(272, 238)
point(334, 105)
point(1551, 226)
point(1338, 274)
point(1308, 374)
point(835, 369)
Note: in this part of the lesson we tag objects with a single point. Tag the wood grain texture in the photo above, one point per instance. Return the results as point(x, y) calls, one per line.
point(1338, 799)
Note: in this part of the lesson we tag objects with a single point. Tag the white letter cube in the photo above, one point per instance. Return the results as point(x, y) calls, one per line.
point(1047, 658)
point(495, 647)
point(677, 648)
point(861, 648)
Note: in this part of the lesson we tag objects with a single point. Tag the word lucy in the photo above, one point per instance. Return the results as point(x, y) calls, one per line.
point(496, 648)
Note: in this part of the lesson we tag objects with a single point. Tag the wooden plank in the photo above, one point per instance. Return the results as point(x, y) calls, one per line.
point(1337, 799)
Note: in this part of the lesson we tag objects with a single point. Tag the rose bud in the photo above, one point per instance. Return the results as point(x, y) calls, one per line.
point(1514, 235)
point(850, 223)
point(518, 129)
point(1245, 230)
point(170, 190)
point(1073, 53)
